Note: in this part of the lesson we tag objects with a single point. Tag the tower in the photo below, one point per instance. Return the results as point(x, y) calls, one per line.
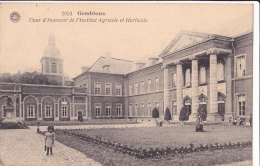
point(51, 62)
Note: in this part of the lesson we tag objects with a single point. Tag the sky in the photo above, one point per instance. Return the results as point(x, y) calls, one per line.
point(82, 43)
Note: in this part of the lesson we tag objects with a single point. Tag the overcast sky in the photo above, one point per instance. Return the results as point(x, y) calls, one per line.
point(82, 43)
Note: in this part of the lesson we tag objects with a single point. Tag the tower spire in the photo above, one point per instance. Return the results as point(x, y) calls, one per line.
point(51, 39)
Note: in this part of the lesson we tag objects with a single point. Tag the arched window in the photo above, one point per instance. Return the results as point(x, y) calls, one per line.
point(202, 74)
point(53, 68)
point(187, 77)
point(221, 71)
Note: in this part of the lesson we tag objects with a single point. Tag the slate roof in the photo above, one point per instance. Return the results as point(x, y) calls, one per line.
point(116, 66)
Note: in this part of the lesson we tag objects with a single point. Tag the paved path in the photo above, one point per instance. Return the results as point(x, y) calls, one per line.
point(26, 148)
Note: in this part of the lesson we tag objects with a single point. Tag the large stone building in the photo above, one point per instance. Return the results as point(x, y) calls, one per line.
point(195, 70)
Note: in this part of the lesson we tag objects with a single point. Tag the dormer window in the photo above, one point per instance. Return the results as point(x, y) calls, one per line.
point(106, 68)
point(152, 61)
point(139, 65)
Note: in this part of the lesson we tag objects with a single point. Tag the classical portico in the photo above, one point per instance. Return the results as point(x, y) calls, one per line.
point(203, 74)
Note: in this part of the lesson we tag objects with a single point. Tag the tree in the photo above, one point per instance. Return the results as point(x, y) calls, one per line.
point(203, 113)
point(167, 115)
point(27, 78)
point(183, 114)
point(155, 113)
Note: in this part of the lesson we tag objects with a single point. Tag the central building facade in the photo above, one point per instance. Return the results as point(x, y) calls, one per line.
point(195, 70)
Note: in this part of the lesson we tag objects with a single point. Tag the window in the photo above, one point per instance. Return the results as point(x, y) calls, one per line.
point(130, 110)
point(30, 111)
point(108, 109)
point(142, 108)
point(136, 109)
point(118, 89)
point(108, 89)
point(130, 89)
point(118, 109)
point(53, 68)
point(241, 66)
point(187, 77)
point(136, 88)
point(149, 107)
point(97, 88)
point(47, 111)
point(142, 87)
point(241, 105)
point(163, 82)
point(149, 85)
point(106, 68)
point(174, 76)
point(156, 83)
point(174, 107)
point(202, 74)
point(98, 110)
point(220, 71)
point(64, 110)
point(156, 104)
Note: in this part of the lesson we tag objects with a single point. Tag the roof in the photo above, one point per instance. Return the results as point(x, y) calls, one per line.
point(116, 66)
point(51, 50)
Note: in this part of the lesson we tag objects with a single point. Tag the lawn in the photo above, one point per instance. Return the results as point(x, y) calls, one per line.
point(164, 137)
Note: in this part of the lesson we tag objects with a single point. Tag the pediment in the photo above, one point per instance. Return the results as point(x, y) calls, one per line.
point(184, 40)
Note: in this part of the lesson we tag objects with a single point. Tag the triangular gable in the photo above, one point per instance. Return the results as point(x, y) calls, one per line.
point(183, 40)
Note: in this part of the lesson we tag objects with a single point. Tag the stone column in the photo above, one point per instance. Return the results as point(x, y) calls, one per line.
point(179, 89)
point(213, 97)
point(228, 77)
point(195, 89)
point(166, 92)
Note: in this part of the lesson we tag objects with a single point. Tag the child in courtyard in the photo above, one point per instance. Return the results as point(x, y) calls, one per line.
point(49, 139)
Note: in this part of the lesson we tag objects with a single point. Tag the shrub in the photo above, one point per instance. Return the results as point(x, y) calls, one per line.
point(183, 114)
point(167, 115)
point(155, 113)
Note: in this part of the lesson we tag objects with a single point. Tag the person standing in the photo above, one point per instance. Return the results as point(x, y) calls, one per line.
point(250, 120)
point(49, 139)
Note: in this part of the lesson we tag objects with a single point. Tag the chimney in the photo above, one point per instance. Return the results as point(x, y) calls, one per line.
point(152, 61)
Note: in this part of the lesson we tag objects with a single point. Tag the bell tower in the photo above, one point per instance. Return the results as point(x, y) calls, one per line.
point(52, 63)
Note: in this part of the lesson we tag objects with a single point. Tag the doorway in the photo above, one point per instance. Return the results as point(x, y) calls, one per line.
point(188, 111)
point(80, 116)
point(221, 110)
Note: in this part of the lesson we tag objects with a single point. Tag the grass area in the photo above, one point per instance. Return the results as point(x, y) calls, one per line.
point(164, 137)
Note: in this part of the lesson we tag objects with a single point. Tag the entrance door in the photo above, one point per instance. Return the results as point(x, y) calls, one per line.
point(80, 116)
point(221, 110)
point(188, 110)
point(204, 106)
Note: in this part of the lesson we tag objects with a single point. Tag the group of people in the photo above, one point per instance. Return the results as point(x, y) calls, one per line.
point(240, 121)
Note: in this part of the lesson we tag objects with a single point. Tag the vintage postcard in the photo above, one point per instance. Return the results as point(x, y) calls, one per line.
point(129, 84)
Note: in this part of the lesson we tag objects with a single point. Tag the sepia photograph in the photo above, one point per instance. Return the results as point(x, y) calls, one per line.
point(129, 84)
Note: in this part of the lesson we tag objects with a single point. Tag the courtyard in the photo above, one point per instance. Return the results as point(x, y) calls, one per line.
point(162, 138)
